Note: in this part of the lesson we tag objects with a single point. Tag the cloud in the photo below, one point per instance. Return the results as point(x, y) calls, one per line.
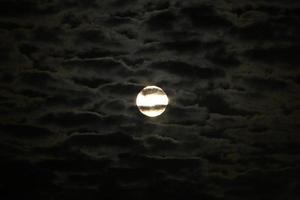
point(26, 131)
point(162, 20)
point(184, 69)
point(27, 7)
point(70, 73)
point(265, 83)
point(112, 139)
point(72, 119)
point(159, 143)
point(205, 16)
point(102, 67)
point(277, 55)
point(216, 103)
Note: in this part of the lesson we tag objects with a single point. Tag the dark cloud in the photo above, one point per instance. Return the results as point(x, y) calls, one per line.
point(48, 34)
point(119, 89)
point(185, 69)
point(268, 23)
point(265, 83)
point(156, 5)
point(37, 78)
point(90, 82)
point(216, 103)
point(159, 143)
point(99, 66)
point(163, 20)
point(278, 55)
point(205, 16)
point(97, 52)
point(269, 180)
point(113, 139)
point(25, 131)
point(31, 178)
point(70, 164)
point(71, 119)
point(26, 7)
point(92, 35)
point(70, 73)
point(222, 58)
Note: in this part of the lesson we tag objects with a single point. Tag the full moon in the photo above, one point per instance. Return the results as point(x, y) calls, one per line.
point(152, 101)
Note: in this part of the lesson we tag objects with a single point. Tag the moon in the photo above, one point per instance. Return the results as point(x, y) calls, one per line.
point(152, 101)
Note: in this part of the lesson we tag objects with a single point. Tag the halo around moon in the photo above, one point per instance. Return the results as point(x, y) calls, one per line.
point(152, 101)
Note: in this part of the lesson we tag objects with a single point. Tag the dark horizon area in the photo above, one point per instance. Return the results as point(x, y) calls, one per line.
point(70, 71)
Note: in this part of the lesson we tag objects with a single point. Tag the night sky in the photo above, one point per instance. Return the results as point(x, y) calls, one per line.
point(70, 72)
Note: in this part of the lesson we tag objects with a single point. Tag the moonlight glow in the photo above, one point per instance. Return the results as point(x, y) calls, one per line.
point(152, 101)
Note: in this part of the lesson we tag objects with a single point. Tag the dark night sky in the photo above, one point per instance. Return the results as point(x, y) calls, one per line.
point(70, 72)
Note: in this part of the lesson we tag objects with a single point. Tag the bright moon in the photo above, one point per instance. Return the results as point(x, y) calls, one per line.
point(152, 101)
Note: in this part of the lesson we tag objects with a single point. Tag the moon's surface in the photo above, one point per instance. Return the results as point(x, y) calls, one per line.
point(152, 101)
